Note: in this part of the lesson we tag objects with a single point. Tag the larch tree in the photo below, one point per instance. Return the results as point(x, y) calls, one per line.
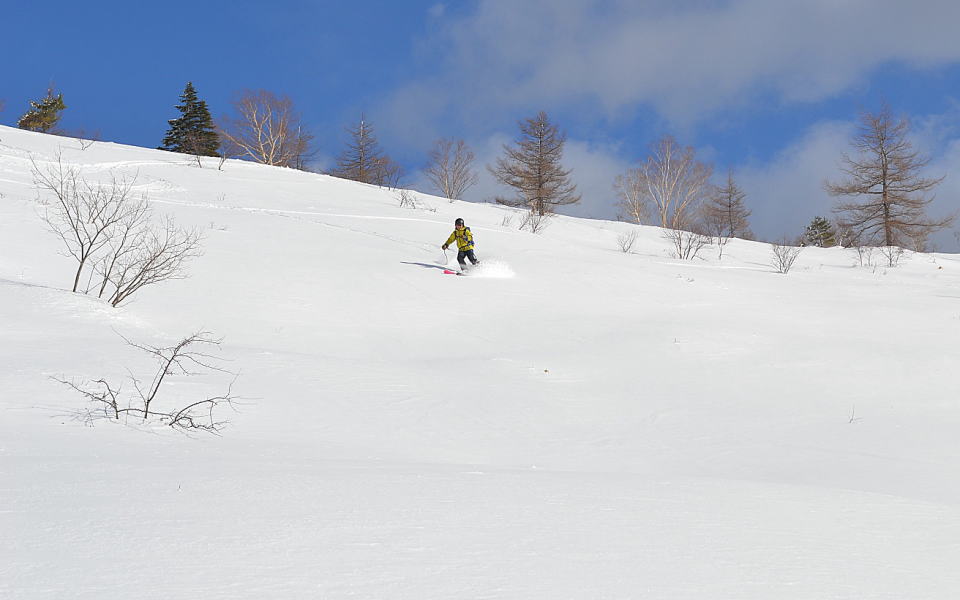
point(532, 167)
point(888, 194)
point(363, 160)
point(725, 213)
point(44, 114)
point(450, 167)
point(193, 132)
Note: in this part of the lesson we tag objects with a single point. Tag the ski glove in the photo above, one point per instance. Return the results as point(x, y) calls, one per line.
point(444, 246)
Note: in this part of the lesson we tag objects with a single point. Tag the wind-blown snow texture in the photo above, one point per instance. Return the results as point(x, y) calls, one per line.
point(580, 423)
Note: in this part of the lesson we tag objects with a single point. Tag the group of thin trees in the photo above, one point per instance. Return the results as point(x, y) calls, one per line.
point(674, 190)
point(268, 129)
point(883, 196)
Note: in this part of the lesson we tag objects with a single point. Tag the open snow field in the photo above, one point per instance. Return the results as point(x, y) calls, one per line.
point(572, 422)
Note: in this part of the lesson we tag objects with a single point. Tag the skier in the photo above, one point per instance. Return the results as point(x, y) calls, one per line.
point(463, 236)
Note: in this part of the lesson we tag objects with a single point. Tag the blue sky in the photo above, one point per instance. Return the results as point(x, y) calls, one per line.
point(768, 88)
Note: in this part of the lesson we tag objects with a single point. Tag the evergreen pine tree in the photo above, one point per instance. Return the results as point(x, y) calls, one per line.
point(820, 233)
point(45, 113)
point(193, 132)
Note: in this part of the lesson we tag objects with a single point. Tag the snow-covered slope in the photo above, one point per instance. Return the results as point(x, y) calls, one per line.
point(574, 422)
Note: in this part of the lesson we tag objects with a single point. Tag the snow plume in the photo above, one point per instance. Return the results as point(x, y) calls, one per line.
point(492, 269)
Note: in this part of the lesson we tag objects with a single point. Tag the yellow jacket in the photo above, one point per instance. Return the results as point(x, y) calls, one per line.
point(463, 237)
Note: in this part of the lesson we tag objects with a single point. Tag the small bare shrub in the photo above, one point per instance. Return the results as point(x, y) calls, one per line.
point(534, 222)
point(187, 357)
point(686, 244)
point(893, 254)
point(784, 255)
point(865, 255)
point(407, 199)
point(626, 240)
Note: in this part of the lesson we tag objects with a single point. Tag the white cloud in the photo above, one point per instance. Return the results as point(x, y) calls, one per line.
point(786, 193)
point(685, 59)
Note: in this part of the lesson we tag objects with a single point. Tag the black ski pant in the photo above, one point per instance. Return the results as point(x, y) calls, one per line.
point(465, 254)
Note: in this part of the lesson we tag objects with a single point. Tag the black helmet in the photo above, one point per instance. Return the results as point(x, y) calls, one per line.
point(458, 222)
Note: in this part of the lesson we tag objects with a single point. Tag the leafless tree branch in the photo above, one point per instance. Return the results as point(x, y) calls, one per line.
point(185, 358)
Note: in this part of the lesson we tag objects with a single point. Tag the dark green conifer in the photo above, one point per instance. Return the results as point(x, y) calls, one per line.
point(820, 233)
point(44, 114)
point(193, 132)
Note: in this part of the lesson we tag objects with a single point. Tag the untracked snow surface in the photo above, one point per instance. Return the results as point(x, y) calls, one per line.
point(571, 421)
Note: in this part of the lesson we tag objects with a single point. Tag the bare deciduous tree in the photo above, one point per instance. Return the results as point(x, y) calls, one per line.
point(890, 197)
point(267, 130)
point(629, 189)
point(363, 160)
point(532, 168)
point(450, 168)
point(82, 214)
point(186, 357)
point(673, 181)
point(107, 228)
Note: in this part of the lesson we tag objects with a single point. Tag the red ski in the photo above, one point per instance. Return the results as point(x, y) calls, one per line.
point(451, 272)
